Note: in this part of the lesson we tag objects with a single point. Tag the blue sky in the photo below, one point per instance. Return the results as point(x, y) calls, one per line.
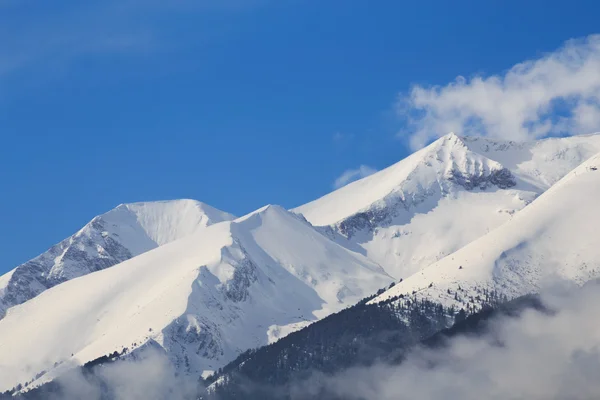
point(238, 103)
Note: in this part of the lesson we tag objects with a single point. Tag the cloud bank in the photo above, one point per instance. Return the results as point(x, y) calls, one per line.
point(557, 94)
point(539, 356)
point(352, 175)
point(148, 376)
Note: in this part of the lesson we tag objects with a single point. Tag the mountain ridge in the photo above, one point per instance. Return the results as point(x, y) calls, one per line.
point(231, 286)
point(108, 239)
point(443, 197)
point(205, 286)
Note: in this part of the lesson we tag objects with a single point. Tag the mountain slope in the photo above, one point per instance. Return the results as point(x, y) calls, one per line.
point(360, 336)
point(443, 197)
point(203, 298)
point(555, 237)
point(356, 336)
point(118, 235)
point(540, 163)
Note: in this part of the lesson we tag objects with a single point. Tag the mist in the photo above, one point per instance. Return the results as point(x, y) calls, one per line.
point(538, 355)
point(147, 374)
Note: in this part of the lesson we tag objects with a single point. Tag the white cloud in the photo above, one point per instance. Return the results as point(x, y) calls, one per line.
point(352, 175)
point(147, 375)
point(556, 94)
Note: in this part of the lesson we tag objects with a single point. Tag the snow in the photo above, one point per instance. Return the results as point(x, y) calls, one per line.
point(417, 172)
point(4, 281)
point(408, 245)
point(207, 374)
point(541, 163)
point(118, 235)
point(276, 332)
point(443, 197)
point(555, 237)
point(167, 221)
point(204, 298)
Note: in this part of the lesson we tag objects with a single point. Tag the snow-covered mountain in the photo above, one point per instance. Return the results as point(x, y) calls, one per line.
point(118, 235)
point(555, 237)
point(203, 298)
point(443, 197)
point(458, 217)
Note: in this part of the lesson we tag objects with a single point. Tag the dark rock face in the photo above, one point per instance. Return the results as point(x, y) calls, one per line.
point(26, 282)
point(502, 178)
point(367, 220)
point(198, 337)
point(244, 275)
point(77, 255)
point(379, 216)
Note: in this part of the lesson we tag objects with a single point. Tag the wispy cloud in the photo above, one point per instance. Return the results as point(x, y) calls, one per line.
point(352, 175)
point(338, 137)
point(36, 35)
point(556, 94)
point(65, 31)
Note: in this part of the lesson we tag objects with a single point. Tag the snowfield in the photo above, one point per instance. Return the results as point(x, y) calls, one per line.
point(443, 197)
point(118, 235)
point(554, 238)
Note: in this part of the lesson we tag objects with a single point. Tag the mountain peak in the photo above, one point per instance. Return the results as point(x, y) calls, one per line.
point(440, 167)
point(108, 239)
point(456, 162)
point(270, 211)
point(451, 136)
point(442, 197)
